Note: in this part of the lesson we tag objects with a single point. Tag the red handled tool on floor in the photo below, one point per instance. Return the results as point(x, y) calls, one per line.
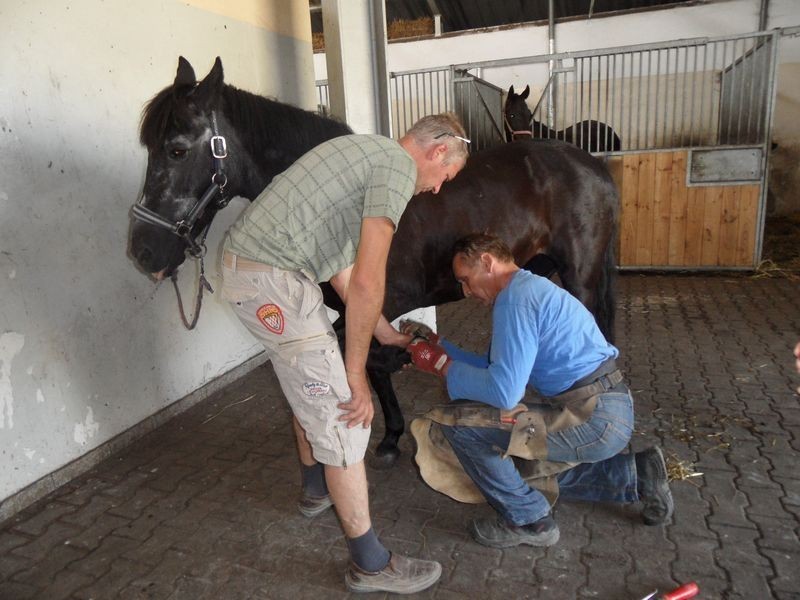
point(684, 592)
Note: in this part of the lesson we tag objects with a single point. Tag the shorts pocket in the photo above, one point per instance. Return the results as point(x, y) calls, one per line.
point(312, 296)
point(238, 287)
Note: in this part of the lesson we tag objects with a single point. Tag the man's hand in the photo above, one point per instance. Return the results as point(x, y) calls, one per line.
point(359, 411)
point(418, 330)
point(428, 357)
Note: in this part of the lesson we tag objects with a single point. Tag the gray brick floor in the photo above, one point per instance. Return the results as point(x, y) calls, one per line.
point(204, 507)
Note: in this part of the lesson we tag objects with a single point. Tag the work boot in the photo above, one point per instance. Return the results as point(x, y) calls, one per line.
point(311, 506)
point(496, 533)
point(402, 575)
point(653, 486)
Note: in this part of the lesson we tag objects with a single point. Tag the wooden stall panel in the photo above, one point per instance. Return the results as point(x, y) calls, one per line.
point(645, 205)
point(662, 208)
point(664, 223)
point(678, 206)
point(748, 216)
point(629, 193)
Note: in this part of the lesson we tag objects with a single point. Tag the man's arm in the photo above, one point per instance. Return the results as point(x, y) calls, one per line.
point(384, 332)
point(364, 300)
point(502, 383)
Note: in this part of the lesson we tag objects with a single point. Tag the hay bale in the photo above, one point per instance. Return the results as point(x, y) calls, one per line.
point(408, 29)
point(395, 31)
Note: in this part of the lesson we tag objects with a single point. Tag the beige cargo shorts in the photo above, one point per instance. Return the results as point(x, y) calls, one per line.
point(284, 310)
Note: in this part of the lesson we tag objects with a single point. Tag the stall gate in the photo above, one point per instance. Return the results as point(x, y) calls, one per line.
point(692, 117)
point(478, 103)
point(415, 94)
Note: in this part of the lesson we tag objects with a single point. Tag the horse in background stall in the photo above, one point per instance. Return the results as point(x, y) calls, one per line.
point(544, 198)
point(592, 136)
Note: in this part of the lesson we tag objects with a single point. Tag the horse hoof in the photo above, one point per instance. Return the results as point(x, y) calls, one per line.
point(384, 460)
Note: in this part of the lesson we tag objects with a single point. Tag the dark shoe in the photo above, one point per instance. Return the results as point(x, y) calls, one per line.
point(311, 506)
point(653, 486)
point(496, 533)
point(402, 575)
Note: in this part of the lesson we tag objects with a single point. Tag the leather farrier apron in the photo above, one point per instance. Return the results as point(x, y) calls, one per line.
point(529, 424)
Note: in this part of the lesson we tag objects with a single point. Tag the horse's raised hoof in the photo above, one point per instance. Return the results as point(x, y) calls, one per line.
point(385, 457)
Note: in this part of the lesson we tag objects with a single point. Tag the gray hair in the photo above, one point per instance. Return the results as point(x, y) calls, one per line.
point(444, 128)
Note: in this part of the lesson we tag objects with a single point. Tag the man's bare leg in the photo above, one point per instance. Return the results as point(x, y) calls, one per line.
point(348, 488)
point(368, 571)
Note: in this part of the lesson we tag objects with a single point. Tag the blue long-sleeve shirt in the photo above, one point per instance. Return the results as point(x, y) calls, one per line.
point(542, 337)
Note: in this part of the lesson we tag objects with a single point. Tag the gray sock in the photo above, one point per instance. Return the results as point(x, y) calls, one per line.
point(367, 552)
point(314, 482)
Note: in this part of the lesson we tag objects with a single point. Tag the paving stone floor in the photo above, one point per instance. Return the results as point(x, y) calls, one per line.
point(204, 507)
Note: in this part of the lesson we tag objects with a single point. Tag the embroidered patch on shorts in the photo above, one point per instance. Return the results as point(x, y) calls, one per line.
point(316, 388)
point(271, 317)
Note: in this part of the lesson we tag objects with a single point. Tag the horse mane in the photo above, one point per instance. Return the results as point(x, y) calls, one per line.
point(266, 125)
point(263, 124)
point(156, 116)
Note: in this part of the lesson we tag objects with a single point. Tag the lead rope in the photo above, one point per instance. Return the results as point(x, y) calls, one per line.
point(201, 285)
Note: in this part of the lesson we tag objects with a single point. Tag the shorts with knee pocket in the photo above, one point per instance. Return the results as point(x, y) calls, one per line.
point(285, 311)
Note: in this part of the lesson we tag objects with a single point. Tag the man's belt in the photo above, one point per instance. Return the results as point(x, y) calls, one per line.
point(598, 386)
point(237, 263)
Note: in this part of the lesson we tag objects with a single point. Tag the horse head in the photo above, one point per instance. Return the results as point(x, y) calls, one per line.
point(188, 177)
point(517, 115)
point(207, 142)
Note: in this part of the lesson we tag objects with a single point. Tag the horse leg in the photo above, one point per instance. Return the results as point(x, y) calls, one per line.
point(589, 275)
point(387, 452)
point(542, 265)
point(605, 300)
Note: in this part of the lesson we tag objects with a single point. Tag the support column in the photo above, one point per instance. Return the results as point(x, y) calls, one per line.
point(355, 52)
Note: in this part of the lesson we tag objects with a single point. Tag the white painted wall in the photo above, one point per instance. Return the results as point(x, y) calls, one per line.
point(89, 346)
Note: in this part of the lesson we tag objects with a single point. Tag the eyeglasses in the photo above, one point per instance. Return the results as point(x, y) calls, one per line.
point(453, 135)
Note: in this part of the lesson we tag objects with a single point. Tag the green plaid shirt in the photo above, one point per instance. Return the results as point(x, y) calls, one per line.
point(309, 218)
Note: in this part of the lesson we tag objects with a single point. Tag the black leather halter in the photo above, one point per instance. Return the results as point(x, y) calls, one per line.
point(183, 228)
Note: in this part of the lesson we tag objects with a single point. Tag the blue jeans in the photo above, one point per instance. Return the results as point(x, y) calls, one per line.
point(604, 474)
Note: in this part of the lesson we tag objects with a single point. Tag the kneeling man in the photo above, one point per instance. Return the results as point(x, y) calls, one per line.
point(542, 338)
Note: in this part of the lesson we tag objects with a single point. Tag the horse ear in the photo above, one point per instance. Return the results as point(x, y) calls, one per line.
point(185, 75)
point(526, 92)
point(212, 84)
point(511, 90)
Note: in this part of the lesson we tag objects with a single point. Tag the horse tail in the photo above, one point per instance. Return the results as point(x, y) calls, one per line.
point(605, 311)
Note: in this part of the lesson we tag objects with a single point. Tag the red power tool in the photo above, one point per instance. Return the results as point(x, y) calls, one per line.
point(684, 592)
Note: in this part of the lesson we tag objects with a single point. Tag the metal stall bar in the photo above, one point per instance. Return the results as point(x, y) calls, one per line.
point(416, 94)
point(641, 120)
point(323, 102)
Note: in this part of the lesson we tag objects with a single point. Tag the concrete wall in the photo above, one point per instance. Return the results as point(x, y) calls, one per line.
point(89, 346)
point(711, 19)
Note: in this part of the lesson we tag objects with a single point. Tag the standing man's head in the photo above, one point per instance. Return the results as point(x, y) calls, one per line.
point(439, 146)
point(484, 265)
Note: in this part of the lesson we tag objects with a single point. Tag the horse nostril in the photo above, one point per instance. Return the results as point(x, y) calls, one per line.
point(144, 256)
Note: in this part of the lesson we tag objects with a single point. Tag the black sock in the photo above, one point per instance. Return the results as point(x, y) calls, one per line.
point(367, 552)
point(314, 482)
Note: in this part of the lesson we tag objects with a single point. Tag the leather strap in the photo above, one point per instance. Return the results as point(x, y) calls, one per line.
point(600, 385)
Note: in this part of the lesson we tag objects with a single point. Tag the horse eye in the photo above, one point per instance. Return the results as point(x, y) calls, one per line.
point(178, 153)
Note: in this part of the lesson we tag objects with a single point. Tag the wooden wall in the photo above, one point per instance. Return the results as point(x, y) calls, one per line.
point(664, 223)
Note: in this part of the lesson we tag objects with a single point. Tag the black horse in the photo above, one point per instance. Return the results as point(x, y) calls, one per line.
point(592, 136)
point(555, 206)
